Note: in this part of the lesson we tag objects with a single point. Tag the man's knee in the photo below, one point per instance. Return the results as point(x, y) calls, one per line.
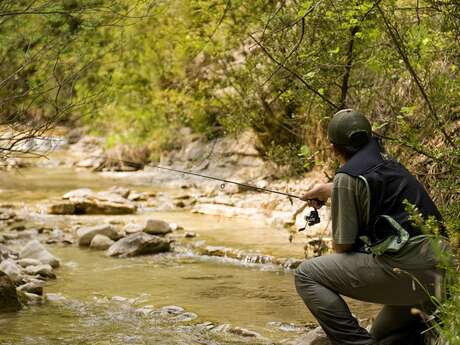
point(304, 274)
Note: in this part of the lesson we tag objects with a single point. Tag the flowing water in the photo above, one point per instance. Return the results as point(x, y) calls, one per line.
point(99, 300)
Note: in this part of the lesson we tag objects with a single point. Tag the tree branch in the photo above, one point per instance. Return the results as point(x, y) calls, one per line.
point(294, 73)
point(399, 44)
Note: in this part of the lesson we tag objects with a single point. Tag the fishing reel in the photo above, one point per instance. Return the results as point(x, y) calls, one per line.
point(311, 219)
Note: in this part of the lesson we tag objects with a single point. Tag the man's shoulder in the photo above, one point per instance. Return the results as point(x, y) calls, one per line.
point(343, 180)
point(351, 185)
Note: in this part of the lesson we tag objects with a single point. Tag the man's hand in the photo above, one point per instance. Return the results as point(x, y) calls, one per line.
point(318, 195)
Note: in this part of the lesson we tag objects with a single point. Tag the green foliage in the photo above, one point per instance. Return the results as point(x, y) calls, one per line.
point(50, 47)
point(298, 158)
point(446, 322)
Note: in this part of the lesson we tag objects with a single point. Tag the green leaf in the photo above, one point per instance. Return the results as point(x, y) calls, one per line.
point(334, 51)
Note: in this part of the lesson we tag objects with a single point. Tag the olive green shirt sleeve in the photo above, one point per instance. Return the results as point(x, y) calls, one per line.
point(349, 207)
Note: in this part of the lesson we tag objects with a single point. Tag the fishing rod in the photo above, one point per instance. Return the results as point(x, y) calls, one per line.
point(311, 219)
point(245, 185)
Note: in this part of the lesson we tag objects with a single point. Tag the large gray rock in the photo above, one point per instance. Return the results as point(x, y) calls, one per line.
point(157, 227)
point(11, 269)
point(100, 242)
point(35, 250)
point(8, 296)
point(85, 235)
point(86, 206)
point(138, 244)
point(314, 337)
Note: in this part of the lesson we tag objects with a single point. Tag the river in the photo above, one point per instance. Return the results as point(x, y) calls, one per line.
point(99, 300)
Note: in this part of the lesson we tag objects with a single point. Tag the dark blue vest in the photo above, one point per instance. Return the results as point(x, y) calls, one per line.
point(389, 185)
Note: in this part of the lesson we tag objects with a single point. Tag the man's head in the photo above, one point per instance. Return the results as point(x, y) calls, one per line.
point(349, 131)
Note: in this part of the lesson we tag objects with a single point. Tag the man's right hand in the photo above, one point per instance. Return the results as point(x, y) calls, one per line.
point(318, 195)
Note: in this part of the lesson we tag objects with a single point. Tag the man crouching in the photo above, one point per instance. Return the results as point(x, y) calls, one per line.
point(379, 256)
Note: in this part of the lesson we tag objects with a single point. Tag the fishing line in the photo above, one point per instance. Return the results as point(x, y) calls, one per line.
point(311, 219)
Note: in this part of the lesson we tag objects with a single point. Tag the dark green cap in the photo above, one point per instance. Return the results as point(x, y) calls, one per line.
point(349, 128)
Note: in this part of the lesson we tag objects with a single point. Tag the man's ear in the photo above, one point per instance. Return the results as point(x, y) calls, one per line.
point(338, 154)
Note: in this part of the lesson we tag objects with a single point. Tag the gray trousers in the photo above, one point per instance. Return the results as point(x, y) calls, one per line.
point(320, 282)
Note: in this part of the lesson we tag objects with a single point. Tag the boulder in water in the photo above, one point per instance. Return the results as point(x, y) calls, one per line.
point(138, 244)
point(157, 227)
point(84, 206)
point(11, 269)
point(8, 296)
point(35, 250)
point(85, 235)
point(101, 242)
